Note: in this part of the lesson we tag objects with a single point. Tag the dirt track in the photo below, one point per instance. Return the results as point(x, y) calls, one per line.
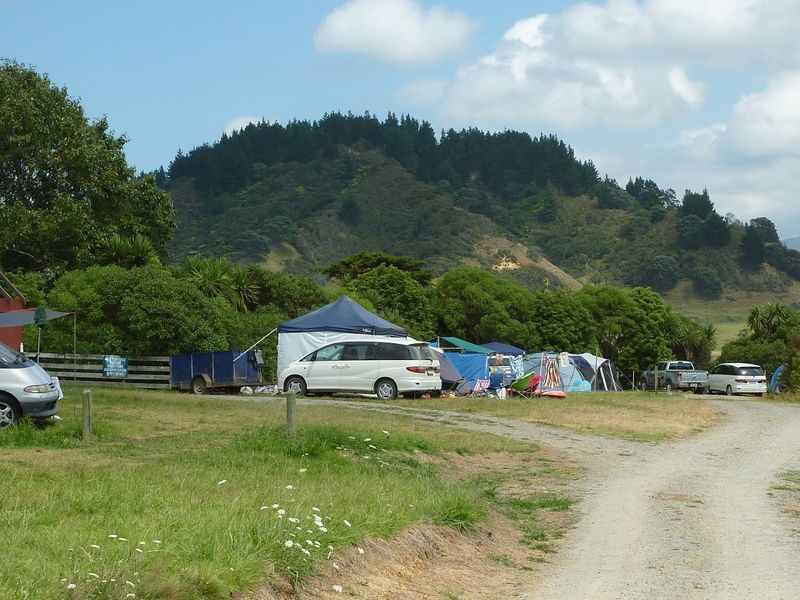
point(689, 519)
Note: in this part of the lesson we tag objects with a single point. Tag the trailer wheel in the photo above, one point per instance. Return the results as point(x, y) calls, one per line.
point(199, 385)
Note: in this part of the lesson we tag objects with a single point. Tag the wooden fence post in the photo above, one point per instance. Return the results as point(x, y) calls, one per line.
point(291, 413)
point(87, 415)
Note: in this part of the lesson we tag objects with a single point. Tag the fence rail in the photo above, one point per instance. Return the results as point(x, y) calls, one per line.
point(150, 372)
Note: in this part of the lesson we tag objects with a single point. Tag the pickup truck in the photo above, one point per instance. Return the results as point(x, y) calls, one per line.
point(675, 375)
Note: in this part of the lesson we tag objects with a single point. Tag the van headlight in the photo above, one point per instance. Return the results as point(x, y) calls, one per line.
point(42, 388)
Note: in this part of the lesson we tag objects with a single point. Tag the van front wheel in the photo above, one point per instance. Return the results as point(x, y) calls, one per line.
point(9, 412)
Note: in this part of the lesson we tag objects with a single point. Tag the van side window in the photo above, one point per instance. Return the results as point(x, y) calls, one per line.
point(332, 352)
point(358, 352)
point(388, 351)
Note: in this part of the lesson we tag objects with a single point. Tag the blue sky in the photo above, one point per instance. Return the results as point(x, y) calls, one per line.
point(689, 93)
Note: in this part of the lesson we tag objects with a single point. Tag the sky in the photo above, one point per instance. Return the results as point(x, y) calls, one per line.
point(692, 94)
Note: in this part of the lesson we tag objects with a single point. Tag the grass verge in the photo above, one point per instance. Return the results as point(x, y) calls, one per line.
point(184, 497)
point(638, 416)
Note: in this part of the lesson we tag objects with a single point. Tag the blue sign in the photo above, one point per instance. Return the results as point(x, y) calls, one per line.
point(115, 366)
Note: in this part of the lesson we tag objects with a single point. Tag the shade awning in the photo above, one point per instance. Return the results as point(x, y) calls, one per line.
point(27, 316)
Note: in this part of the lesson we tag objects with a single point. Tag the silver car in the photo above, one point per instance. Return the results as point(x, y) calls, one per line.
point(26, 390)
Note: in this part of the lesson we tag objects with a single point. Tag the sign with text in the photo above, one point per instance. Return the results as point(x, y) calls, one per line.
point(115, 366)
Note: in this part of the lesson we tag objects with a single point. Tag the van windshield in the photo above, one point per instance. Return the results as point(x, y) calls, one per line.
point(9, 357)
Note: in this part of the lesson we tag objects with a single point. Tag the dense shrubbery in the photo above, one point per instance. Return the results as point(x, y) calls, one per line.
point(772, 339)
point(209, 304)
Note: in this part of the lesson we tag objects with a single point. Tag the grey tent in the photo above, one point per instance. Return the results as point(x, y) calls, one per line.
point(452, 380)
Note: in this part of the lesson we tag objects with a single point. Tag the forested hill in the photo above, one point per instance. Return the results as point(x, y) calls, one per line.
point(305, 195)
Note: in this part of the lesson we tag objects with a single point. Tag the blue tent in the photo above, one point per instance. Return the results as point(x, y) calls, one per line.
point(471, 365)
point(504, 348)
point(343, 315)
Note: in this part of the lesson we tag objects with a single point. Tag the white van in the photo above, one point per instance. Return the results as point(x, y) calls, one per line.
point(737, 378)
point(26, 390)
point(384, 368)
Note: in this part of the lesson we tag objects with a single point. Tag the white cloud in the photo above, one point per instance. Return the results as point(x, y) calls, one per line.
point(399, 32)
point(767, 123)
point(238, 123)
point(689, 91)
point(422, 92)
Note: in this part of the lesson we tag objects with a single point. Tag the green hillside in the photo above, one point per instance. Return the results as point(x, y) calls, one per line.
point(303, 196)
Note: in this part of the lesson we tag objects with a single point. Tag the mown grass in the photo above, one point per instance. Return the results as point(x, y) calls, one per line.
point(639, 416)
point(184, 497)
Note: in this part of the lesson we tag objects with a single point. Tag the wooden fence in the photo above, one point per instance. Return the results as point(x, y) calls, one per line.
point(150, 372)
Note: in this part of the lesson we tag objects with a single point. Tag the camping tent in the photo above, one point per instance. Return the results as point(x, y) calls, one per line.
point(343, 319)
point(599, 371)
point(454, 344)
point(569, 378)
point(502, 348)
point(472, 365)
point(452, 380)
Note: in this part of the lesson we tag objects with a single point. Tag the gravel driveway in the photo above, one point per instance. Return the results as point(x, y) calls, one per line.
point(681, 520)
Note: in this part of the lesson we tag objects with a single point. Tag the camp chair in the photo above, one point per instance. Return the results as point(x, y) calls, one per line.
point(528, 386)
point(481, 385)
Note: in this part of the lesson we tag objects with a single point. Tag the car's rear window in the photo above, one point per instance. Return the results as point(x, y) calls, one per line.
point(421, 352)
point(681, 366)
point(751, 371)
point(387, 351)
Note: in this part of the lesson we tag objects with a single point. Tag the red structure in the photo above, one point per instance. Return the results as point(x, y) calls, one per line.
point(10, 299)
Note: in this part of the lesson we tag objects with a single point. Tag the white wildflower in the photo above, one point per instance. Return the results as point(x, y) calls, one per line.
point(293, 520)
point(306, 552)
point(221, 482)
point(323, 530)
point(373, 447)
point(123, 539)
point(315, 509)
point(130, 595)
point(289, 487)
point(95, 575)
point(264, 508)
point(276, 506)
point(95, 546)
point(139, 550)
point(337, 589)
point(130, 583)
point(156, 541)
point(335, 566)
point(367, 439)
point(288, 543)
point(71, 586)
point(386, 432)
point(142, 543)
point(303, 470)
point(309, 543)
point(113, 536)
point(346, 522)
point(281, 512)
point(360, 550)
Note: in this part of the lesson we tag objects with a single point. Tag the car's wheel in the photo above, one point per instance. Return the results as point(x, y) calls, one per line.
point(759, 394)
point(668, 387)
point(436, 394)
point(9, 412)
point(199, 385)
point(295, 384)
point(729, 391)
point(643, 386)
point(386, 389)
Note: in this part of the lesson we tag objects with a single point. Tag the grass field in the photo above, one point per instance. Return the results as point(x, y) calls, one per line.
point(186, 497)
point(639, 416)
point(729, 313)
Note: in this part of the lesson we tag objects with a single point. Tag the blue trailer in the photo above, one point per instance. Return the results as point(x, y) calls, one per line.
point(226, 370)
